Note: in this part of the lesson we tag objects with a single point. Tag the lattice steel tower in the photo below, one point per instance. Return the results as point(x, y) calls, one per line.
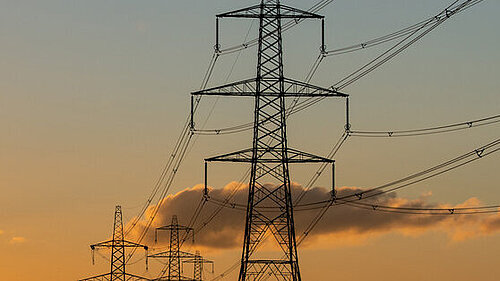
point(174, 254)
point(118, 260)
point(269, 207)
point(198, 264)
point(176, 257)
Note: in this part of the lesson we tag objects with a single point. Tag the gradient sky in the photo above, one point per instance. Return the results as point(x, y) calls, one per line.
point(93, 95)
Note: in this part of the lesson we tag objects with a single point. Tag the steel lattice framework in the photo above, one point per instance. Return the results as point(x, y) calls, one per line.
point(176, 257)
point(269, 155)
point(117, 246)
point(198, 264)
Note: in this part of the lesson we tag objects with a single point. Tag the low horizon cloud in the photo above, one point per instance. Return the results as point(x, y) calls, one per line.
point(341, 224)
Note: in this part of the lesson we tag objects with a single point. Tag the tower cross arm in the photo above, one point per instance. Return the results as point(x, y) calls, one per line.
point(170, 254)
point(285, 12)
point(175, 227)
point(124, 243)
point(267, 156)
point(198, 259)
point(291, 88)
point(107, 277)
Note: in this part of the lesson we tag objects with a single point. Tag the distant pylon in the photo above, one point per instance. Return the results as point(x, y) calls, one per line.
point(198, 264)
point(175, 256)
point(117, 246)
point(270, 206)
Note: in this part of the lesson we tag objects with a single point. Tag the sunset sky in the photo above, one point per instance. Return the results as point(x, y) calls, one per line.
point(94, 94)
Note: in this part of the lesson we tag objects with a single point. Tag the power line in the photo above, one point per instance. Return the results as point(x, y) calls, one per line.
point(397, 34)
point(430, 130)
point(242, 127)
point(412, 35)
point(211, 69)
point(427, 211)
point(426, 174)
point(285, 27)
point(169, 172)
point(444, 167)
point(406, 42)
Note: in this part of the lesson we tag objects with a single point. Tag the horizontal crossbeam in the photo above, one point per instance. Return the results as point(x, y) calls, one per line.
point(170, 254)
point(166, 278)
point(247, 88)
point(111, 243)
point(269, 261)
point(107, 277)
point(294, 156)
point(285, 12)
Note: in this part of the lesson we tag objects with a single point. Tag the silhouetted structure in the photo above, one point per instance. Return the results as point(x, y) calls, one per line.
point(269, 207)
point(117, 246)
point(198, 264)
point(175, 257)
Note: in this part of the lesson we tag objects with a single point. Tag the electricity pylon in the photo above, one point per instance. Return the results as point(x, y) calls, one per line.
point(117, 246)
point(174, 255)
point(269, 207)
point(198, 264)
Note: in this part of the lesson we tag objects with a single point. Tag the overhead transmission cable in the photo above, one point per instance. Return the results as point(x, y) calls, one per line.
point(444, 167)
point(318, 6)
point(409, 35)
point(306, 104)
point(396, 49)
point(406, 42)
point(203, 200)
point(431, 130)
point(391, 36)
point(392, 186)
point(285, 27)
point(427, 211)
point(325, 205)
point(300, 108)
point(170, 170)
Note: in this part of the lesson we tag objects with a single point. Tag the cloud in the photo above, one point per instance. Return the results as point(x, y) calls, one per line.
point(491, 225)
point(17, 240)
point(341, 223)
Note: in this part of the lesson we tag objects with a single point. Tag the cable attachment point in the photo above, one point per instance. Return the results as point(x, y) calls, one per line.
point(359, 195)
point(205, 187)
point(217, 48)
point(479, 152)
point(390, 134)
point(452, 211)
point(448, 13)
point(322, 50)
point(347, 128)
point(333, 195)
point(375, 207)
